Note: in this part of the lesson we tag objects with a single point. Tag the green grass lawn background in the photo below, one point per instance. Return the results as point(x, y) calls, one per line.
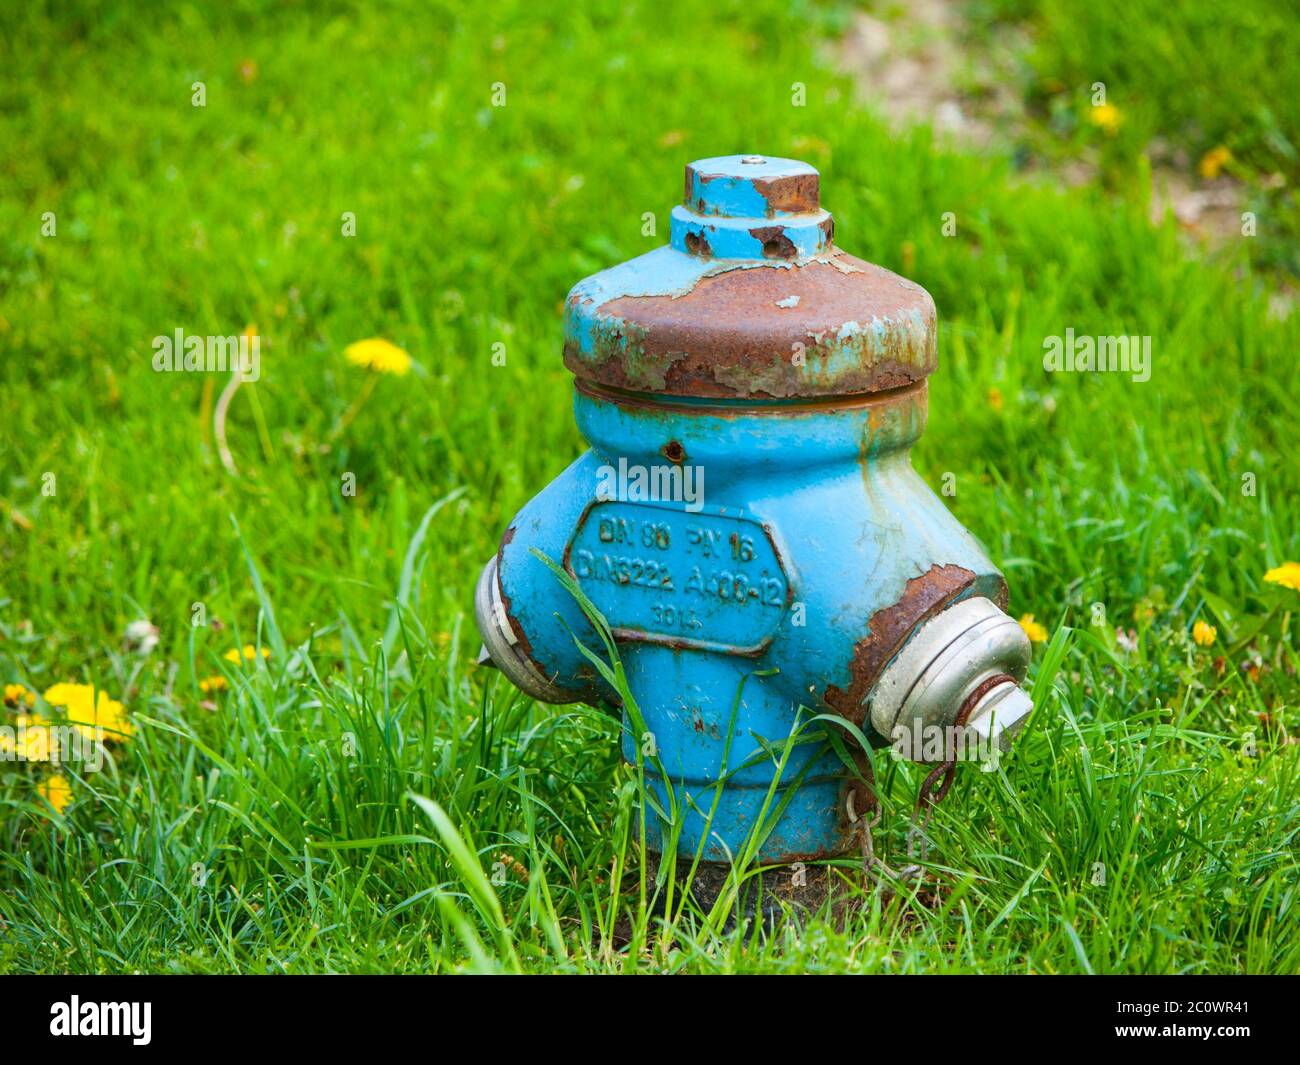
point(270, 829)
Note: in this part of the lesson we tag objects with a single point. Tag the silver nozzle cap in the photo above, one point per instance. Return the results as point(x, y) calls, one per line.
point(501, 646)
point(956, 656)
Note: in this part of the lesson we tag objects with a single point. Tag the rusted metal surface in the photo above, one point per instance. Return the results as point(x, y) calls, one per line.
point(521, 635)
point(776, 245)
point(674, 452)
point(698, 244)
point(793, 192)
point(751, 300)
point(825, 328)
point(889, 628)
point(879, 405)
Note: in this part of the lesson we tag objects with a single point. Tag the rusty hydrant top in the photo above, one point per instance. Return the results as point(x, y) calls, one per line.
point(711, 325)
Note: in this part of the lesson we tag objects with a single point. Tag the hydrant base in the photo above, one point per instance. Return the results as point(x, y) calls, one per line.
point(768, 895)
point(813, 825)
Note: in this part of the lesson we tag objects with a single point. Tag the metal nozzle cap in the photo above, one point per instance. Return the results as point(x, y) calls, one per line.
point(954, 657)
point(501, 646)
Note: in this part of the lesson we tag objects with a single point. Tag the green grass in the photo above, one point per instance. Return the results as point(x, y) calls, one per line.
point(1186, 79)
point(275, 829)
point(1202, 75)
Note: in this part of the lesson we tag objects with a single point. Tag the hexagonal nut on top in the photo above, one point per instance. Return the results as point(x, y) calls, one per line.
point(751, 300)
point(751, 186)
point(751, 207)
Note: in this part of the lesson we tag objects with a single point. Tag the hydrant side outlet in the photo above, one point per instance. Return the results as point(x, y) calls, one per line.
point(750, 394)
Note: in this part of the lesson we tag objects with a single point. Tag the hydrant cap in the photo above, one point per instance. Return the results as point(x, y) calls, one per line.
point(750, 300)
point(751, 186)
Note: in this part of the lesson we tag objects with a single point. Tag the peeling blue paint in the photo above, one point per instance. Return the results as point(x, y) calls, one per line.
point(735, 238)
point(811, 525)
point(850, 522)
point(665, 271)
point(729, 185)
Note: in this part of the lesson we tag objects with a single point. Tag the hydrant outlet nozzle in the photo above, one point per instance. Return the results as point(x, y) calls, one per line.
point(501, 646)
point(971, 653)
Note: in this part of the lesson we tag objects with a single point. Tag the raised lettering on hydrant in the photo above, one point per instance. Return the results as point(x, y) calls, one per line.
point(748, 512)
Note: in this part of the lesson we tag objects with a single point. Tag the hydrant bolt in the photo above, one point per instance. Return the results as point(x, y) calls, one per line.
point(748, 523)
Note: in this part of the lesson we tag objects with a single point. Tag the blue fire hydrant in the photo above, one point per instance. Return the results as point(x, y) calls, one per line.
point(749, 525)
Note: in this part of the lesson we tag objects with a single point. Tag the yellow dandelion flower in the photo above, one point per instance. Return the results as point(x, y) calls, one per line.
point(1287, 575)
point(69, 695)
point(1213, 161)
point(18, 693)
point(1106, 117)
point(95, 715)
point(1035, 631)
point(56, 790)
point(215, 683)
point(109, 721)
point(248, 654)
point(1204, 634)
point(995, 399)
point(379, 355)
